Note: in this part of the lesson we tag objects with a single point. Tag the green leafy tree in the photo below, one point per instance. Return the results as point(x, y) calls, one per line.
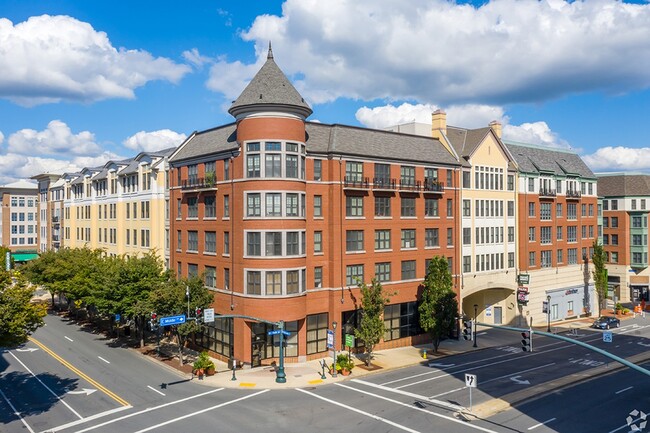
point(371, 327)
point(439, 308)
point(170, 299)
point(600, 274)
point(19, 316)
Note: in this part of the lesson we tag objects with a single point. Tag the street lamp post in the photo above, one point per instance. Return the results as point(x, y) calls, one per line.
point(548, 313)
point(280, 376)
point(475, 318)
point(334, 346)
point(187, 295)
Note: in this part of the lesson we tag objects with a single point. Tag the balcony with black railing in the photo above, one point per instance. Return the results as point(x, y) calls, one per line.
point(384, 183)
point(547, 192)
point(433, 185)
point(573, 194)
point(194, 184)
point(55, 218)
point(353, 182)
point(410, 185)
point(55, 238)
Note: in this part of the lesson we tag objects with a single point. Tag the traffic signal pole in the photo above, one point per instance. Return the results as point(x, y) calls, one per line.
point(579, 343)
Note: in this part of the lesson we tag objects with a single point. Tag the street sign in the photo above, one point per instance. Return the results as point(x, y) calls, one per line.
point(349, 340)
point(330, 339)
point(608, 337)
point(470, 380)
point(278, 332)
point(172, 320)
point(523, 279)
point(208, 315)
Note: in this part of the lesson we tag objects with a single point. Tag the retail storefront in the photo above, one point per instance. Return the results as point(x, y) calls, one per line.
point(571, 302)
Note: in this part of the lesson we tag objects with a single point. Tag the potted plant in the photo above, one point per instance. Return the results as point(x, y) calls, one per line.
point(618, 308)
point(210, 178)
point(202, 364)
point(344, 364)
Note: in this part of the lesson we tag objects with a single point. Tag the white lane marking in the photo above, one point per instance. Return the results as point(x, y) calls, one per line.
point(359, 411)
point(16, 411)
point(68, 338)
point(207, 409)
point(481, 333)
point(411, 406)
point(625, 426)
point(103, 359)
point(90, 418)
point(46, 387)
point(155, 390)
point(483, 382)
point(624, 389)
point(541, 424)
point(149, 409)
point(410, 394)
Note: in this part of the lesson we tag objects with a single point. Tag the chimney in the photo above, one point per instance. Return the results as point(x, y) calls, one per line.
point(438, 124)
point(496, 127)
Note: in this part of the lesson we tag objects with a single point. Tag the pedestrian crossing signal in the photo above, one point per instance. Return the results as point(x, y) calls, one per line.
point(467, 330)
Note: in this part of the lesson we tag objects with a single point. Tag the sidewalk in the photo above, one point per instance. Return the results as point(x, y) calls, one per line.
point(307, 374)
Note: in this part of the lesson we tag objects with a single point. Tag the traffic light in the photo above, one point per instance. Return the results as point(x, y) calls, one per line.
point(467, 330)
point(153, 321)
point(198, 313)
point(527, 341)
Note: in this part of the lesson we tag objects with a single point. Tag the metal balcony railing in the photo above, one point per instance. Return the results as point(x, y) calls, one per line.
point(199, 183)
point(573, 193)
point(432, 185)
point(410, 185)
point(547, 192)
point(384, 183)
point(356, 183)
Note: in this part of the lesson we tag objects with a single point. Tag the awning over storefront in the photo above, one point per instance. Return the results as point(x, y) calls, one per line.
point(24, 257)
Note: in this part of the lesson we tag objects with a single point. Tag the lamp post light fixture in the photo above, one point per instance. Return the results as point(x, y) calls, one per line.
point(334, 346)
point(475, 319)
point(548, 313)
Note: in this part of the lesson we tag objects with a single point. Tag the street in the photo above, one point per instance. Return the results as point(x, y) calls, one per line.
point(73, 380)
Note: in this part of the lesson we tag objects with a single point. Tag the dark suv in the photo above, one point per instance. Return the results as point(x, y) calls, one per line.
point(606, 322)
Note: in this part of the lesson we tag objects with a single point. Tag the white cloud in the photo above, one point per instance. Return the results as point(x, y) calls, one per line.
point(195, 58)
point(231, 78)
point(55, 58)
point(154, 140)
point(57, 139)
point(534, 133)
point(619, 158)
point(2, 137)
point(465, 116)
point(453, 54)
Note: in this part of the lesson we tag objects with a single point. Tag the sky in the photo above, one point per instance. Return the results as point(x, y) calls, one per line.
point(85, 82)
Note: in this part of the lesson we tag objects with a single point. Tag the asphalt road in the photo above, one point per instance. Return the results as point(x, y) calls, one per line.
point(72, 380)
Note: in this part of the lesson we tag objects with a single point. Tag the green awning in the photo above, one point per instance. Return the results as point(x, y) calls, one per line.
point(24, 257)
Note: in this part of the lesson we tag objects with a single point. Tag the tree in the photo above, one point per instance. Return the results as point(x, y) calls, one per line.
point(371, 327)
point(170, 299)
point(19, 317)
point(600, 274)
point(439, 308)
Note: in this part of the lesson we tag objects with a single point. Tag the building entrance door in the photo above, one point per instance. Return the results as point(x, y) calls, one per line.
point(498, 319)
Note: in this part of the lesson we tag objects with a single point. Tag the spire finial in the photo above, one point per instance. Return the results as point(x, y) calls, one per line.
point(270, 54)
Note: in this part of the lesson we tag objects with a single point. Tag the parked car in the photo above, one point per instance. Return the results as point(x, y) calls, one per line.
point(606, 322)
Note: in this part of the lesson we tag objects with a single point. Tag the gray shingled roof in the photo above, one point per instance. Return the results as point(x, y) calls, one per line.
point(199, 144)
point(623, 184)
point(539, 159)
point(466, 140)
point(268, 88)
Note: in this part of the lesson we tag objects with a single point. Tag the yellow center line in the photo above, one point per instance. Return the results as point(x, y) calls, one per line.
point(81, 374)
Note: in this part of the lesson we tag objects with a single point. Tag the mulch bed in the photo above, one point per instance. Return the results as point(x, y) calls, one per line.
point(372, 367)
point(167, 359)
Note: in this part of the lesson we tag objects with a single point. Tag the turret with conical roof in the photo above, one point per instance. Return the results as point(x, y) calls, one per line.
point(270, 91)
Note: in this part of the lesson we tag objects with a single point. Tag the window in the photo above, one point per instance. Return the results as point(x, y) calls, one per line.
point(531, 258)
point(210, 206)
point(408, 269)
point(192, 207)
point(571, 211)
point(254, 243)
point(560, 259)
point(466, 179)
point(431, 207)
point(408, 207)
point(226, 206)
point(431, 238)
point(531, 234)
point(545, 259)
point(318, 242)
point(226, 242)
point(382, 175)
point(353, 274)
point(559, 233)
point(353, 171)
point(407, 176)
point(511, 182)
point(545, 211)
point(614, 239)
point(382, 272)
point(253, 162)
point(401, 321)
point(292, 204)
point(293, 243)
point(253, 205)
point(531, 209)
point(211, 277)
point(531, 184)
point(210, 242)
point(467, 236)
point(192, 240)
point(272, 163)
point(545, 235)
point(382, 206)
point(572, 256)
point(614, 222)
point(273, 204)
point(354, 240)
point(291, 165)
point(614, 257)
point(317, 326)
point(318, 206)
point(511, 234)
point(273, 244)
point(318, 169)
point(450, 208)
point(511, 260)
point(572, 234)
point(192, 174)
point(450, 237)
point(558, 210)
point(353, 206)
point(273, 283)
point(467, 209)
point(382, 239)
point(408, 238)
point(318, 276)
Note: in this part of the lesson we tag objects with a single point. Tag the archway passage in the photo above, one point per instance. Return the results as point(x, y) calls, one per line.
point(497, 306)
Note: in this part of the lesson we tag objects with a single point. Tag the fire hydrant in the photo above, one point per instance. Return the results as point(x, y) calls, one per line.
point(424, 354)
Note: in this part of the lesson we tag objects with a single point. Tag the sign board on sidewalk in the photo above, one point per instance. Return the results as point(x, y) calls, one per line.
point(608, 337)
point(330, 339)
point(208, 315)
point(349, 340)
point(470, 380)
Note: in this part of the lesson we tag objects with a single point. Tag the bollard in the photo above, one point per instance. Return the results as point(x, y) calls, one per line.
point(322, 364)
point(234, 366)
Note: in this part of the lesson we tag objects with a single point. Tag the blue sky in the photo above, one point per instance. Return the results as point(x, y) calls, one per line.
point(84, 82)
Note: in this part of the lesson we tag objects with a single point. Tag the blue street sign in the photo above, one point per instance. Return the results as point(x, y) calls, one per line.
point(172, 320)
point(117, 317)
point(278, 332)
point(286, 333)
point(330, 339)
